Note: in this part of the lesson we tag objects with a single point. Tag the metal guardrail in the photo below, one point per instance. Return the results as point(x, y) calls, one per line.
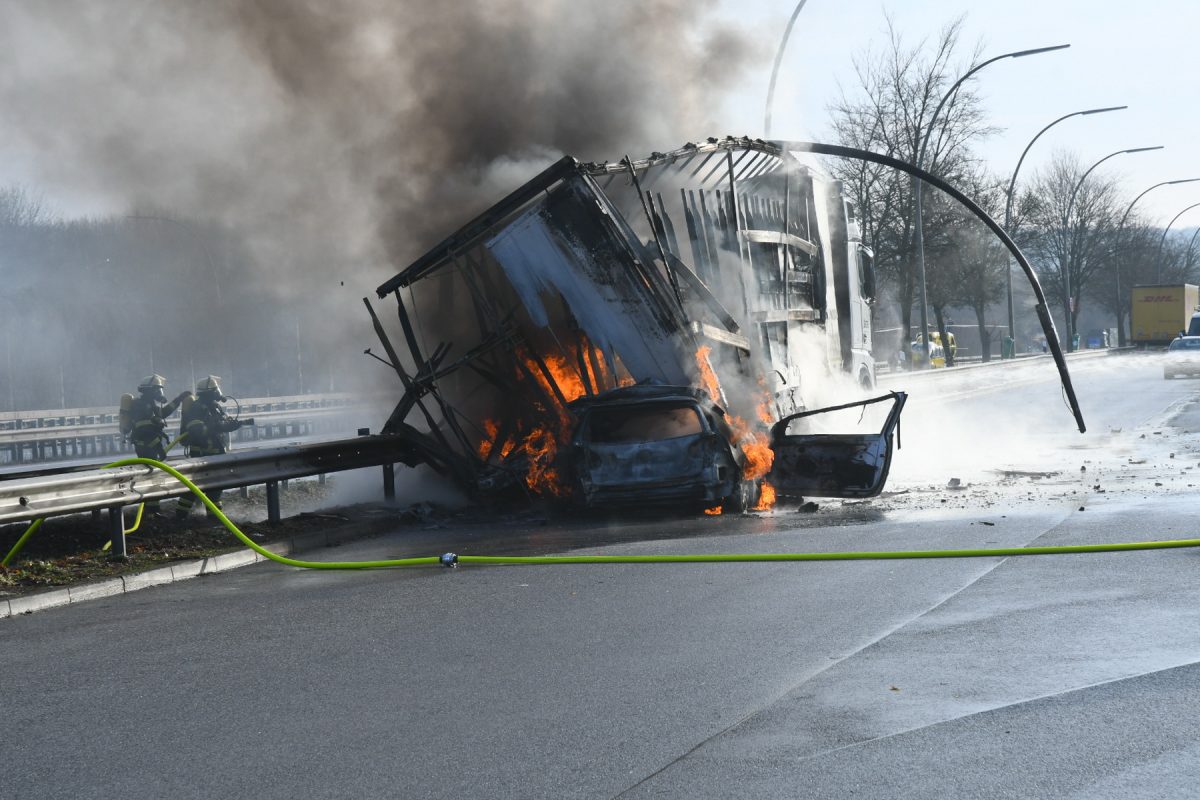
point(75, 491)
point(53, 434)
point(996, 364)
point(109, 413)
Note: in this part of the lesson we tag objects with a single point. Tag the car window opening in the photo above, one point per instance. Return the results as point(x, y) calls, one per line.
point(622, 426)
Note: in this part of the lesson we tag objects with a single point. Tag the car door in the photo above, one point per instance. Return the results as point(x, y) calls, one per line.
point(834, 465)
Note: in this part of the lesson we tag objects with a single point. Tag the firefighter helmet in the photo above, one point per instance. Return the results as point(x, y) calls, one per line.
point(210, 384)
point(155, 381)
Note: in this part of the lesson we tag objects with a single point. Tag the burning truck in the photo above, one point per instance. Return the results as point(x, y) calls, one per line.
point(642, 333)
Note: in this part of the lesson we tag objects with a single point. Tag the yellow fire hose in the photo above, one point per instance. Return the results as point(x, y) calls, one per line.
point(452, 559)
point(137, 522)
point(37, 523)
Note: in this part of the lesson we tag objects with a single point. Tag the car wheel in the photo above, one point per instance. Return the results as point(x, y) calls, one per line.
point(744, 497)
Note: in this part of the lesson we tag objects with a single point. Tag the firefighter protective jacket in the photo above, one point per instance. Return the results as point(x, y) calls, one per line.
point(149, 421)
point(206, 424)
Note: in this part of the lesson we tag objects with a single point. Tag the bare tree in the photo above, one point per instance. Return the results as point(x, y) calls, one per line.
point(1131, 261)
point(1069, 230)
point(965, 262)
point(889, 112)
point(20, 208)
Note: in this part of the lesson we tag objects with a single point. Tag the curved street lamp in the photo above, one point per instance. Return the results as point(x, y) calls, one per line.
point(1078, 186)
point(1191, 243)
point(1043, 313)
point(1070, 321)
point(1117, 271)
point(1008, 203)
point(775, 69)
point(1162, 241)
point(920, 233)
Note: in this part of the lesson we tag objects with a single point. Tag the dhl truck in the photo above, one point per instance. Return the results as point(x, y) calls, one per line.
point(1160, 312)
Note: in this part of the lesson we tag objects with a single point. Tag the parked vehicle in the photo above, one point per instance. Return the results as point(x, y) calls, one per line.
point(1160, 312)
point(1182, 357)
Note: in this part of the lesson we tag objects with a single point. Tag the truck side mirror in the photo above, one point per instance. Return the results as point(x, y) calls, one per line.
point(867, 274)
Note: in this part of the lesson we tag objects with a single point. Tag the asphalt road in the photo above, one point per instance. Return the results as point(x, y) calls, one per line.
point(1066, 676)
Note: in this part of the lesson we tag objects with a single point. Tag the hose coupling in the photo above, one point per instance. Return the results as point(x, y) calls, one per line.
point(449, 560)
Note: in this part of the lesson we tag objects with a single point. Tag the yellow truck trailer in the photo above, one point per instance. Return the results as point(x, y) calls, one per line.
point(1160, 312)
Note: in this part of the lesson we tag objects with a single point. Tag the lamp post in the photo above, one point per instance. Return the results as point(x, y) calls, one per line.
point(775, 69)
point(1069, 327)
point(1120, 229)
point(1012, 333)
point(1162, 241)
point(1187, 255)
point(916, 184)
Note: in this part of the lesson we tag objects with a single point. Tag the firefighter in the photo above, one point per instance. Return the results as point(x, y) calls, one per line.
point(204, 425)
point(147, 421)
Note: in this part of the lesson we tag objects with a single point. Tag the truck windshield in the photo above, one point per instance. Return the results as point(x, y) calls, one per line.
point(647, 424)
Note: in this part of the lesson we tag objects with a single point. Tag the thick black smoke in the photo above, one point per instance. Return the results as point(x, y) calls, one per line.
point(338, 140)
point(362, 128)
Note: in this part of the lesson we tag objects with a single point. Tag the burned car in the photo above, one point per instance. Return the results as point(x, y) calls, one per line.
point(652, 445)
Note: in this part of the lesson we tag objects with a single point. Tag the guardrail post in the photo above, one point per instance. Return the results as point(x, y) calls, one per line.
point(116, 532)
point(273, 502)
point(389, 481)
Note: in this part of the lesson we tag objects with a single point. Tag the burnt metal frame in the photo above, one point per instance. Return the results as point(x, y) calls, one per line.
point(461, 248)
point(472, 230)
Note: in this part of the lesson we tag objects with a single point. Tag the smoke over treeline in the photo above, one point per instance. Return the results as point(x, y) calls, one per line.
point(306, 151)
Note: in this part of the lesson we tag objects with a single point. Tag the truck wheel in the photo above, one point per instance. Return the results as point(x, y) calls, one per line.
point(864, 380)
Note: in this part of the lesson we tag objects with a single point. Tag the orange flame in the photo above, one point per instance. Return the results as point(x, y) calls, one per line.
point(572, 376)
point(492, 429)
point(715, 511)
point(708, 378)
point(764, 412)
point(766, 500)
point(541, 447)
point(755, 445)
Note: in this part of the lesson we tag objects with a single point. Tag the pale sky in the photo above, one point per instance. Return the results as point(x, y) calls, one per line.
point(1144, 55)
